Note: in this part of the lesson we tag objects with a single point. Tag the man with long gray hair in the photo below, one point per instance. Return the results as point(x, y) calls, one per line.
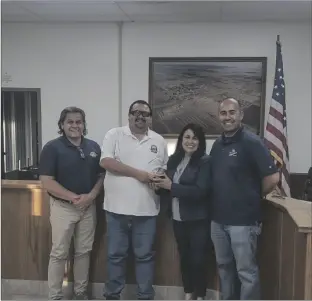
point(70, 172)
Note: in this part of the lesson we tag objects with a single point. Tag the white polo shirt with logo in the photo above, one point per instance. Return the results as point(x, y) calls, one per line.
point(126, 195)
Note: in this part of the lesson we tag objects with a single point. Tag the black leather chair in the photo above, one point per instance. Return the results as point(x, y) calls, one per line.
point(307, 194)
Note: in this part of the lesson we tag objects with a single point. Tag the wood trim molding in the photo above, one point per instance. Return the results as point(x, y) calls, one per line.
point(308, 270)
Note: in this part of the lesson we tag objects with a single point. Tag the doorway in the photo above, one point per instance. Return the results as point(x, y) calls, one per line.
point(20, 130)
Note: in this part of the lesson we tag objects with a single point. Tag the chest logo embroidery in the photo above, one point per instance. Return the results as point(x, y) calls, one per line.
point(154, 149)
point(233, 153)
point(93, 154)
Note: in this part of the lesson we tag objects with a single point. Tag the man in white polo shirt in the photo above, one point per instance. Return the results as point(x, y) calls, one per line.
point(131, 156)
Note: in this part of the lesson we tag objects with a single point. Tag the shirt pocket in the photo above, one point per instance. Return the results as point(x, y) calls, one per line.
point(154, 160)
point(68, 160)
point(93, 162)
point(237, 164)
point(234, 165)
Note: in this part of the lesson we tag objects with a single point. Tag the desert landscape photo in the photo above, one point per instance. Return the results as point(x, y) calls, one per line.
point(183, 92)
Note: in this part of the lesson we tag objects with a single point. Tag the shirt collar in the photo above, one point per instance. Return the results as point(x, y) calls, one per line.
point(128, 131)
point(236, 137)
point(69, 144)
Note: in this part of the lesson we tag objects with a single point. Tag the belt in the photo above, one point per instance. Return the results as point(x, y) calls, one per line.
point(64, 201)
point(61, 200)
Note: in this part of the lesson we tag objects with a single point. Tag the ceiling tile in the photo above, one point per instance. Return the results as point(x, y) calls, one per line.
point(169, 7)
point(69, 10)
point(266, 11)
point(153, 11)
point(49, 8)
point(195, 11)
point(12, 12)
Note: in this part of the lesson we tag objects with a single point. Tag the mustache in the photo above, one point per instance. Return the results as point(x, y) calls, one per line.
point(140, 119)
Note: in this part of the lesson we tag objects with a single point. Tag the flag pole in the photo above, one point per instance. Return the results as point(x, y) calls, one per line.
point(278, 191)
point(279, 151)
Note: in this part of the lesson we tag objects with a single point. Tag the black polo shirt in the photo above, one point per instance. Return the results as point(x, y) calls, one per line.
point(239, 164)
point(75, 168)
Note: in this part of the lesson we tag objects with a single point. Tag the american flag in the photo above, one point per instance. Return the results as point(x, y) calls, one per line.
point(276, 128)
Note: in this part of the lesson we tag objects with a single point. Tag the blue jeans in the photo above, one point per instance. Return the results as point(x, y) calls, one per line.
point(141, 230)
point(236, 250)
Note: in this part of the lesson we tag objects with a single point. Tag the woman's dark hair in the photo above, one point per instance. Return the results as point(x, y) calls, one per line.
point(72, 110)
point(179, 152)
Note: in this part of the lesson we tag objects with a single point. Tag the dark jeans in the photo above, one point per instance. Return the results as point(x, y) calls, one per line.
point(193, 240)
point(236, 248)
point(141, 230)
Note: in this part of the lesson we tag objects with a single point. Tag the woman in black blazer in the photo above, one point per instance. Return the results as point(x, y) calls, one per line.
point(185, 187)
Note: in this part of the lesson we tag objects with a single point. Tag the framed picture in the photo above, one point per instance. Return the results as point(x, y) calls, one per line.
point(184, 90)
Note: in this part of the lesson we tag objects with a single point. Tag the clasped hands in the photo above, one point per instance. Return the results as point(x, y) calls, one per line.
point(82, 201)
point(154, 180)
point(157, 181)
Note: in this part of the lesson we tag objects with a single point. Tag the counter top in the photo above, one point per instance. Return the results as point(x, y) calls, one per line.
point(300, 211)
point(21, 184)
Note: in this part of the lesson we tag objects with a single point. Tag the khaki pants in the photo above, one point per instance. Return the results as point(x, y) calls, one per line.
point(68, 221)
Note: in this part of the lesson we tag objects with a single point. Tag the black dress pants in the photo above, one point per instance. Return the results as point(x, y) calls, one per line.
point(193, 241)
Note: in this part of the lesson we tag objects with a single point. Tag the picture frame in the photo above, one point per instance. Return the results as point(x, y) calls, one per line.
point(189, 89)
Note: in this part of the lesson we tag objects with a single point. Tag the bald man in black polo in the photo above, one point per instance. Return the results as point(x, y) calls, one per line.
point(242, 173)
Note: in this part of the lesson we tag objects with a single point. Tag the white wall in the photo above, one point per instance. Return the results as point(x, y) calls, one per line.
point(141, 42)
point(73, 64)
point(78, 63)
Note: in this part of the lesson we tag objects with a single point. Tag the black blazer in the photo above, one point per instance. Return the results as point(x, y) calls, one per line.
point(192, 191)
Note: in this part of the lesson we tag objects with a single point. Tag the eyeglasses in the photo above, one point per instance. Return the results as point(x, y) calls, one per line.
point(82, 155)
point(137, 113)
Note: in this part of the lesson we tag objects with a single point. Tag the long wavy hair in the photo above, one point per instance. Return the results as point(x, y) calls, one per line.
point(72, 110)
point(179, 152)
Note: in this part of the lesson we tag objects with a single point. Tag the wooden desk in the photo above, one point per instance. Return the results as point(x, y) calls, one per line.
point(285, 249)
point(284, 252)
point(26, 240)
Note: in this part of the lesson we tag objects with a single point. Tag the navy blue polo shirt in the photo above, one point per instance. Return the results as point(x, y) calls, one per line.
point(75, 168)
point(239, 164)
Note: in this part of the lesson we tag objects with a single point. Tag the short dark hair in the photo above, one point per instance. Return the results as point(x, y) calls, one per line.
point(179, 151)
point(72, 110)
point(142, 102)
point(228, 98)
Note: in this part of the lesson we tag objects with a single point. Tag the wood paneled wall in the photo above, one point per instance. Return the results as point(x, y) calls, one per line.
point(284, 253)
point(26, 243)
point(283, 257)
point(25, 234)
